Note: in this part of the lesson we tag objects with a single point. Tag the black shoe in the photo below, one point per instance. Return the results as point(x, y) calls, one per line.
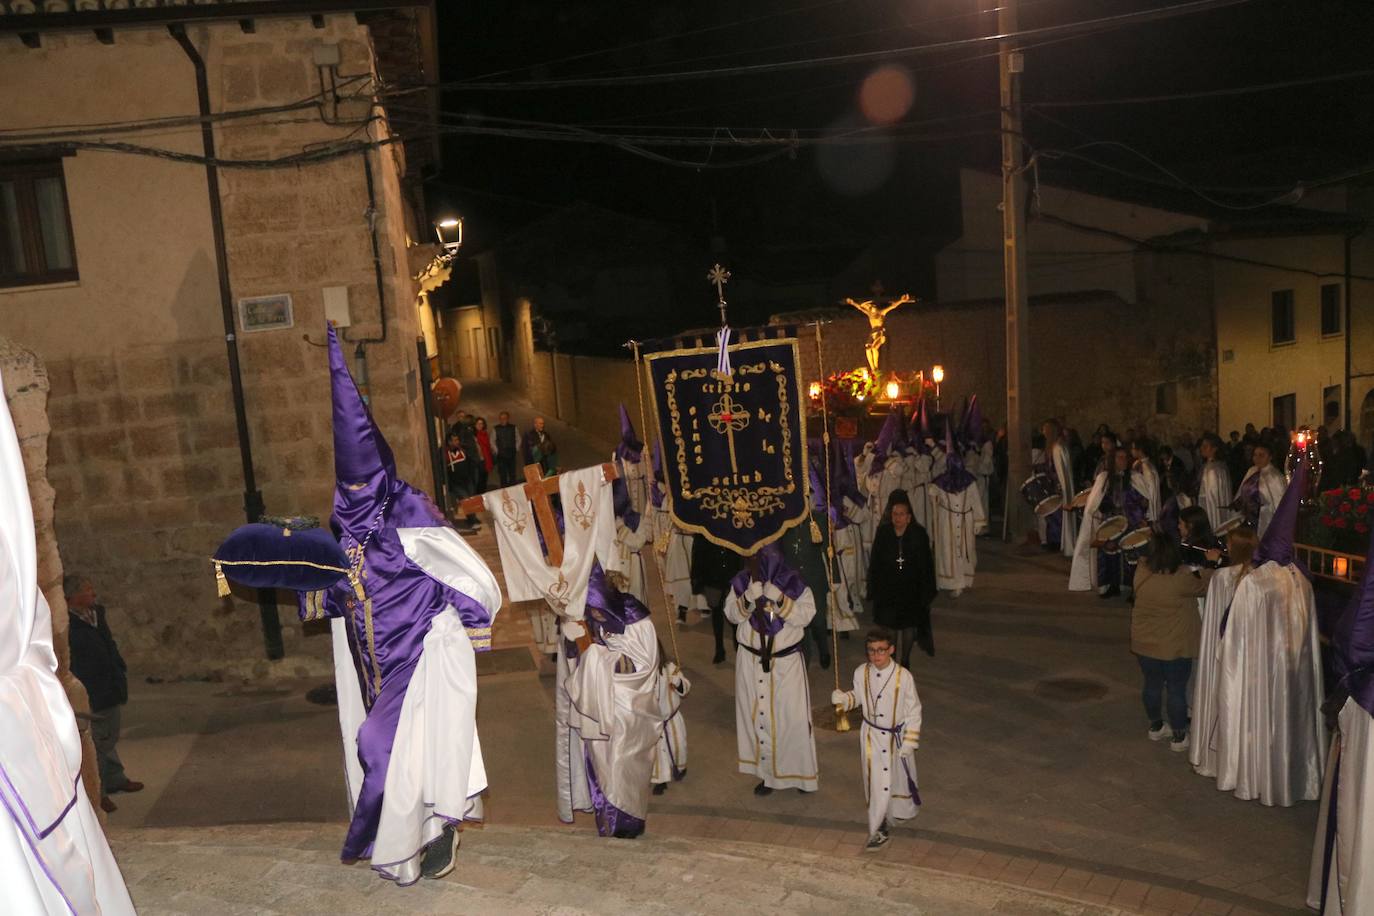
point(1112, 592)
point(763, 789)
point(682, 615)
point(441, 855)
point(845, 636)
point(660, 788)
point(718, 657)
point(825, 662)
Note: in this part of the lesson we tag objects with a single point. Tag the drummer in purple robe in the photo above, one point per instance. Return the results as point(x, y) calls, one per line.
point(416, 605)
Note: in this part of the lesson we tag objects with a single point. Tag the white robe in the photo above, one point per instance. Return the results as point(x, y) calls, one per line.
point(1061, 468)
point(1214, 493)
point(613, 707)
point(670, 754)
point(569, 757)
point(862, 462)
point(893, 475)
point(676, 546)
point(1145, 480)
point(436, 772)
point(773, 708)
point(1201, 752)
point(919, 475)
point(888, 739)
point(1349, 884)
point(985, 469)
point(1083, 572)
point(629, 545)
point(956, 519)
point(852, 556)
point(53, 855)
point(1269, 735)
point(1272, 483)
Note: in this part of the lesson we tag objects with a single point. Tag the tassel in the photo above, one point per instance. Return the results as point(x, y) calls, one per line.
point(221, 583)
point(815, 531)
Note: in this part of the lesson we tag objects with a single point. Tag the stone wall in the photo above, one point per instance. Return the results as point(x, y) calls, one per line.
point(144, 454)
point(25, 384)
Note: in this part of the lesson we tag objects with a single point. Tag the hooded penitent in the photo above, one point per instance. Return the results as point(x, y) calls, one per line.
point(1277, 543)
point(630, 448)
point(971, 430)
point(886, 441)
point(956, 477)
point(389, 601)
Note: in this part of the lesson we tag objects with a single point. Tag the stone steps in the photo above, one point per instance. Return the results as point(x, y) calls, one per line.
point(292, 869)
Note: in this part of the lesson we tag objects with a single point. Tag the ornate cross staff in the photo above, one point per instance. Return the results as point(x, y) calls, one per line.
point(718, 276)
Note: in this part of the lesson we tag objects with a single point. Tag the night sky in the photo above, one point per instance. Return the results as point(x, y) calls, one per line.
point(1261, 142)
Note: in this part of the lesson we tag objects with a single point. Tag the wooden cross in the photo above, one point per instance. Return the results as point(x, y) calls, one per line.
point(538, 489)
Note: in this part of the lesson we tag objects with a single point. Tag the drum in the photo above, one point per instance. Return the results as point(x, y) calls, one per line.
point(1042, 492)
point(1229, 525)
point(1080, 499)
point(1134, 544)
point(1112, 528)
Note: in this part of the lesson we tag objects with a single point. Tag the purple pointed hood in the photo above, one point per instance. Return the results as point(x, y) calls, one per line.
point(1277, 543)
point(971, 431)
point(922, 428)
point(368, 493)
point(629, 448)
point(621, 505)
point(885, 444)
point(1352, 641)
point(956, 477)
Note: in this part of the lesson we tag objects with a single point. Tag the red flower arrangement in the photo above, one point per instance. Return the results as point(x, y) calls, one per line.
point(1344, 513)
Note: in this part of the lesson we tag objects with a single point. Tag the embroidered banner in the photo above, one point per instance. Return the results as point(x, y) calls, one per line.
point(734, 455)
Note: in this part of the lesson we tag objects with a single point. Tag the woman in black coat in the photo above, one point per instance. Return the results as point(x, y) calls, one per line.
point(901, 577)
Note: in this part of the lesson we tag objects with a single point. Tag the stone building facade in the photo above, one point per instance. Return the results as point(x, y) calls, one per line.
point(145, 455)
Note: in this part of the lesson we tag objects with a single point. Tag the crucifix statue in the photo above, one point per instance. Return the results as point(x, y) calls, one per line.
point(876, 309)
point(538, 489)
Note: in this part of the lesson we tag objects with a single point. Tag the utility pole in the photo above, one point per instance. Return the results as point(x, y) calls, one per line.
point(1009, 65)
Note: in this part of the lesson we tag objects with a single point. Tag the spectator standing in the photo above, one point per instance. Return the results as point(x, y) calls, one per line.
point(540, 448)
point(100, 668)
point(1165, 633)
point(505, 448)
point(483, 465)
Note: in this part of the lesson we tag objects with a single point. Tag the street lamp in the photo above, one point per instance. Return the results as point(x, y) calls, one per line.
point(450, 233)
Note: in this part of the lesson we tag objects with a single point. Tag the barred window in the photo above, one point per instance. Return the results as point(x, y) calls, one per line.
point(35, 227)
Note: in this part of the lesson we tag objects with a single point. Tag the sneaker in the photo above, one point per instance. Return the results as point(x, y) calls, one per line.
point(442, 854)
point(877, 841)
point(1179, 742)
point(1158, 732)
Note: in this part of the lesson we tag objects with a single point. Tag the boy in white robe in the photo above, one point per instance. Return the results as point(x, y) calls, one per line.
point(889, 736)
point(771, 608)
point(670, 755)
